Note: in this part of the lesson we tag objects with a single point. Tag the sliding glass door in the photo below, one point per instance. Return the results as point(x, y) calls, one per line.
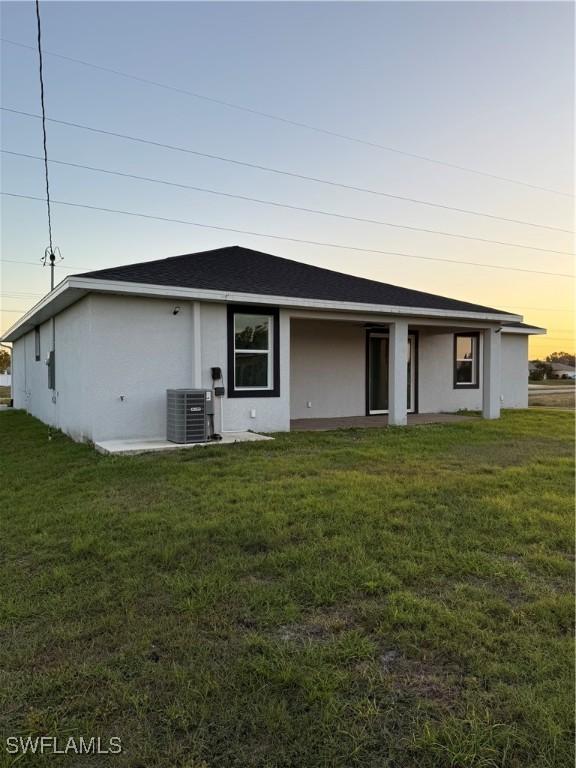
point(378, 374)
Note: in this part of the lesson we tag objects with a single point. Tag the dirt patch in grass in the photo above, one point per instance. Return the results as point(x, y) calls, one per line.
point(321, 627)
point(428, 680)
point(254, 580)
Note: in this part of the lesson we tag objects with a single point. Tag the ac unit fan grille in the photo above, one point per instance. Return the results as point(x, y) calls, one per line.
point(186, 415)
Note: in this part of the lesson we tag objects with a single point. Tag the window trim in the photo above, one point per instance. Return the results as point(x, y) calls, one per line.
point(475, 335)
point(268, 351)
point(37, 343)
point(274, 351)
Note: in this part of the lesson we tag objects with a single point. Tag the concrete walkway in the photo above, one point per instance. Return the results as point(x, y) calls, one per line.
point(374, 422)
point(134, 447)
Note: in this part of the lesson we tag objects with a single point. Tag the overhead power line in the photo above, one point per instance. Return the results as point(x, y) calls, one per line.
point(260, 201)
point(278, 171)
point(35, 263)
point(49, 255)
point(289, 239)
point(41, 73)
point(299, 124)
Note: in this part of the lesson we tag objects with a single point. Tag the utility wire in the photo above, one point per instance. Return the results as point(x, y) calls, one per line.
point(291, 174)
point(41, 73)
point(276, 204)
point(299, 124)
point(35, 263)
point(289, 239)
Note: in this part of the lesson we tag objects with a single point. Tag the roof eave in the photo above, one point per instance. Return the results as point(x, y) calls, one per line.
point(205, 294)
point(61, 297)
point(75, 287)
point(531, 330)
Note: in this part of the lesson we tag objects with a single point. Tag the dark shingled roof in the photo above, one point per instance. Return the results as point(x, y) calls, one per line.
point(243, 270)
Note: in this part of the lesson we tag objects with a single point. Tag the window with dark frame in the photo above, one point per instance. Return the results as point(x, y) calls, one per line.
point(253, 362)
point(466, 362)
point(37, 352)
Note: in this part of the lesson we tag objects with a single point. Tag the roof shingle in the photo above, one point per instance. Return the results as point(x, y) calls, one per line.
point(238, 269)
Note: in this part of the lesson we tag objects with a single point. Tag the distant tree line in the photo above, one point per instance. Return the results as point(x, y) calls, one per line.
point(562, 357)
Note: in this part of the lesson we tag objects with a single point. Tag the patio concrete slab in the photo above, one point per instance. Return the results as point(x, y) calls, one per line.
point(134, 447)
point(375, 422)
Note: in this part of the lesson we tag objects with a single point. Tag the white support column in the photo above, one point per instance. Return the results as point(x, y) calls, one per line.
point(197, 346)
point(398, 373)
point(491, 373)
point(285, 361)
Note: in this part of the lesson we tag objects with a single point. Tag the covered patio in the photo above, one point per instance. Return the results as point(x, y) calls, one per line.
point(350, 371)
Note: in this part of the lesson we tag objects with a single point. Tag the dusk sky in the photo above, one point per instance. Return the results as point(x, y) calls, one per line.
point(488, 86)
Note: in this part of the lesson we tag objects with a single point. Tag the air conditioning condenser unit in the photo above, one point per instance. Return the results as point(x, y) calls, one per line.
point(188, 415)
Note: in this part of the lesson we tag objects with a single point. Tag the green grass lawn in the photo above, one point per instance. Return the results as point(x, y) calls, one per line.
point(379, 598)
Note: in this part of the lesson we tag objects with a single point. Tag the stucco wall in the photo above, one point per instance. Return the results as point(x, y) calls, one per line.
point(139, 349)
point(30, 384)
point(272, 414)
point(64, 407)
point(74, 374)
point(436, 391)
point(328, 369)
point(20, 391)
point(18, 386)
point(115, 358)
point(328, 362)
point(117, 355)
point(514, 370)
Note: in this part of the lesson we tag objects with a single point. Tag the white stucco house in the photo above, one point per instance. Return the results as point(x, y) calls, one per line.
point(563, 371)
point(96, 355)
